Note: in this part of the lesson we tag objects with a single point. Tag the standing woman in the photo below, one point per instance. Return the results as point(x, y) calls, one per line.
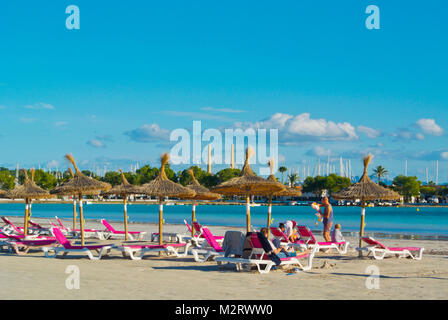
point(327, 217)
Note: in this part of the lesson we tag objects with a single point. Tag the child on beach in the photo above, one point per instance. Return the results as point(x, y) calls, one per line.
point(336, 234)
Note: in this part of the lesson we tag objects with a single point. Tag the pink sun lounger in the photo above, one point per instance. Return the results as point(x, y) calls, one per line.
point(199, 232)
point(264, 264)
point(138, 251)
point(379, 250)
point(308, 238)
point(279, 234)
point(112, 232)
point(22, 246)
point(88, 233)
point(205, 253)
point(67, 247)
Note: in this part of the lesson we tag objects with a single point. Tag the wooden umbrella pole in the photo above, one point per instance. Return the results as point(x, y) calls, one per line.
point(269, 215)
point(161, 220)
point(81, 218)
point(248, 213)
point(125, 198)
point(25, 230)
point(193, 217)
point(361, 227)
point(74, 212)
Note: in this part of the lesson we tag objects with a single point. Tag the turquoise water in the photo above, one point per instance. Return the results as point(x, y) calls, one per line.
point(427, 221)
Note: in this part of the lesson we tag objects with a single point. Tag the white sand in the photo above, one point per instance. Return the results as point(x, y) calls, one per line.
point(36, 277)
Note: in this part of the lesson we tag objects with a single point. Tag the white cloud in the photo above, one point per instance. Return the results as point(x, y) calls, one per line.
point(40, 105)
point(96, 143)
point(53, 164)
point(295, 129)
point(429, 126)
point(319, 152)
point(148, 133)
point(369, 132)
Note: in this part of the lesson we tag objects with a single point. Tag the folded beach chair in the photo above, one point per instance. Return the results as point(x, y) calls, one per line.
point(260, 256)
point(111, 232)
point(203, 254)
point(284, 240)
point(67, 247)
point(88, 233)
point(137, 252)
point(379, 250)
point(308, 238)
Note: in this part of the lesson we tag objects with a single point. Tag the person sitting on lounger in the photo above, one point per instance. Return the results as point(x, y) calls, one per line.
point(280, 251)
point(288, 228)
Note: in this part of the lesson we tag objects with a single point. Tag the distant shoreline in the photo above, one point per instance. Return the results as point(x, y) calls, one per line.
point(227, 203)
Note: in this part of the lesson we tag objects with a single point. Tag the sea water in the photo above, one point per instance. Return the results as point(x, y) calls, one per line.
point(426, 221)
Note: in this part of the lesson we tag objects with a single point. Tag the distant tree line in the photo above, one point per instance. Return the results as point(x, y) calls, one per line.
point(406, 186)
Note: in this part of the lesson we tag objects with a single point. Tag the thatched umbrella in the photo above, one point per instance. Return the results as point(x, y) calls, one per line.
point(3, 194)
point(248, 184)
point(365, 190)
point(60, 191)
point(124, 189)
point(270, 194)
point(81, 185)
point(162, 187)
point(202, 193)
point(28, 191)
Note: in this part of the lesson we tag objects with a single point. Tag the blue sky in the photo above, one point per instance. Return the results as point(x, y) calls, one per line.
point(133, 73)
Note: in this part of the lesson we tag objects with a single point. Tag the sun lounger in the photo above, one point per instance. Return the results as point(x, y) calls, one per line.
point(284, 240)
point(137, 252)
point(308, 238)
point(67, 248)
point(22, 246)
point(203, 254)
point(260, 258)
point(379, 250)
point(199, 232)
point(111, 232)
point(11, 227)
point(88, 233)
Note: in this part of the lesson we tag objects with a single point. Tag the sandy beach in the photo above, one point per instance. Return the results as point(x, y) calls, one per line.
point(343, 277)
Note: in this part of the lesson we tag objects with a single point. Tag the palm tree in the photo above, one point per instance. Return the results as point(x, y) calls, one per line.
point(282, 171)
point(293, 177)
point(380, 172)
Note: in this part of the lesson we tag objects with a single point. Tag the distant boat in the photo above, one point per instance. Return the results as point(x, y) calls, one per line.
point(292, 203)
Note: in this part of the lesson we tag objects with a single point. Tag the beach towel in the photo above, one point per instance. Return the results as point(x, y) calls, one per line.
point(233, 243)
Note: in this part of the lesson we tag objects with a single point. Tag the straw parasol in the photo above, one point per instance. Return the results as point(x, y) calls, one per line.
point(270, 194)
point(81, 185)
point(248, 184)
point(365, 190)
point(202, 193)
point(3, 194)
point(162, 187)
point(59, 191)
point(28, 191)
point(124, 189)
